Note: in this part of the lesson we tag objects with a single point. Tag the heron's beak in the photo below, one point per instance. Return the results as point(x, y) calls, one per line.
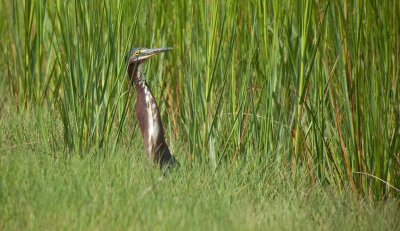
point(147, 53)
point(144, 54)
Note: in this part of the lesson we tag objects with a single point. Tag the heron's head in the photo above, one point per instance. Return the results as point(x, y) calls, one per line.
point(139, 55)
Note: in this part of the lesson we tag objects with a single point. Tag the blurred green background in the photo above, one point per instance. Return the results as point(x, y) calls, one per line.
point(301, 84)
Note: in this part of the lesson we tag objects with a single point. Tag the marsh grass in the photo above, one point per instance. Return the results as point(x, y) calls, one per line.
point(41, 188)
point(308, 84)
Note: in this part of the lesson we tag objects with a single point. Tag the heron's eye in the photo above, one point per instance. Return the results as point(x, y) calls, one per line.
point(136, 53)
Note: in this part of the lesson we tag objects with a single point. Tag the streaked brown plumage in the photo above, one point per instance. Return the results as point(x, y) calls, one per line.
point(147, 110)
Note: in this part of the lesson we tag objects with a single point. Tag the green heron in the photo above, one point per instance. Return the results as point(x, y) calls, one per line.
point(147, 110)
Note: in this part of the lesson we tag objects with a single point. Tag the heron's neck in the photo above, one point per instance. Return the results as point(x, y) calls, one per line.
point(137, 75)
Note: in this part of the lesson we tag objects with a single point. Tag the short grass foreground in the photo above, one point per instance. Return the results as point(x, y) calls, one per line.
point(44, 190)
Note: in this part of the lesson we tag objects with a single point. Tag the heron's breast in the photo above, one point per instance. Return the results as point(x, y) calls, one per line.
point(153, 129)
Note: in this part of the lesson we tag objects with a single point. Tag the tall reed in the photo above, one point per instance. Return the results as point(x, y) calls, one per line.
point(313, 83)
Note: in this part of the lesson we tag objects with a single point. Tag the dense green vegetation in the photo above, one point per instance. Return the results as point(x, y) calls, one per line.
point(279, 112)
point(42, 189)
